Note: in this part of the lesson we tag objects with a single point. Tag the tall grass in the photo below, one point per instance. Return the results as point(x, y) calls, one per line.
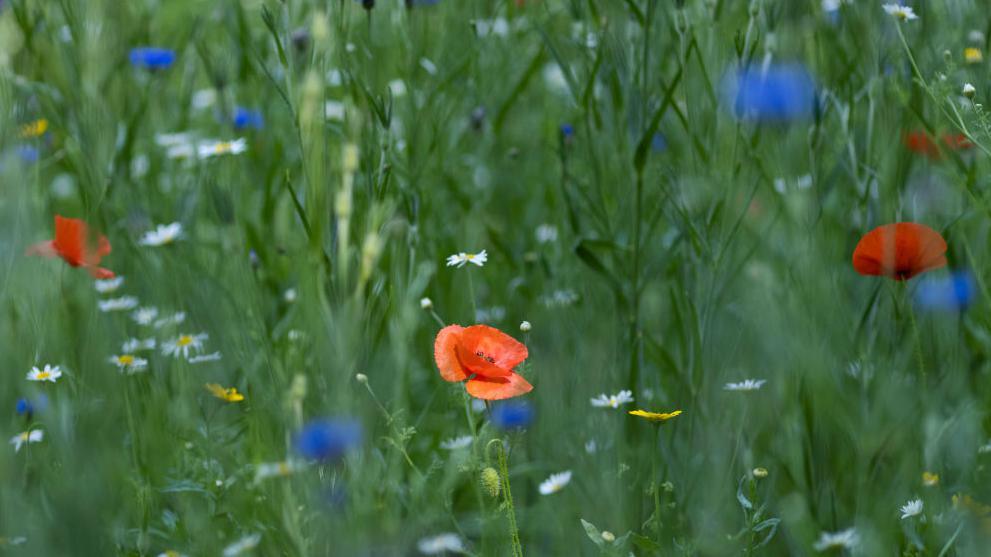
point(693, 249)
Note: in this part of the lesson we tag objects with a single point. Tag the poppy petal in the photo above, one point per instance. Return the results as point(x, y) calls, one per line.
point(506, 351)
point(445, 353)
point(44, 249)
point(101, 273)
point(70, 238)
point(477, 362)
point(498, 388)
point(900, 251)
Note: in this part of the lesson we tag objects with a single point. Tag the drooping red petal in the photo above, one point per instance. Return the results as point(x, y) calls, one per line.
point(498, 388)
point(43, 249)
point(445, 353)
point(101, 273)
point(505, 351)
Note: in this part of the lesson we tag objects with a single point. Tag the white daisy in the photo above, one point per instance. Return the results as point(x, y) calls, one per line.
point(969, 90)
point(912, 508)
point(456, 443)
point(555, 483)
point(290, 295)
point(133, 345)
point(217, 148)
point(181, 345)
point(33, 436)
point(144, 316)
point(613, 401)
point(162, 234)
point(50, 373)
point(107, 286)
point(242, 546)
point(268, 470)
point(174, 319)
point(181, 151)
point(460, 259)
point(901, 13)
point(204, 98)
point(846, 539)
point(215, 357)
point(128, 363)
point(123, 303)
point(441, 543)
point(171, 553)
point(746, 385)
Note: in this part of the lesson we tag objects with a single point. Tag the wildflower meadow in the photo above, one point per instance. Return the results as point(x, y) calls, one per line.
point(373, 278)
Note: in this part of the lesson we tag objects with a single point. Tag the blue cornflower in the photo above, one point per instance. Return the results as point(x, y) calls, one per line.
point(659, 143)
point(328, 439)
point(24, 406)
point(152, 58)
point(247, 118)
point(512, 415)
point(567, 131)
point(950, 293)
point(28, 153)
point(777, 93)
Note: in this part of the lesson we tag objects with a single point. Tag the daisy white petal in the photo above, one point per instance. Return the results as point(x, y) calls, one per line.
point(555, 483)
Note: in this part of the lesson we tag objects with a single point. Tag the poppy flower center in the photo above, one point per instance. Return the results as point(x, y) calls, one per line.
point(482, 355)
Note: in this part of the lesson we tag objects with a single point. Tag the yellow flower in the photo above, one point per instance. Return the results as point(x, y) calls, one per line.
point(230, 395)
point(930, 479)
point(34, 129)
point(655, 416)
point(973, 55)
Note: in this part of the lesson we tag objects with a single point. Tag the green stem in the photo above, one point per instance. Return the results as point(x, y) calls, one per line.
point(514, 531)
point(471, 294)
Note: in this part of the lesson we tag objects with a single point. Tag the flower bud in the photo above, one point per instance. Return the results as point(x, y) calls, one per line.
point(969, 90)
point(490, 481)
point(361, 378)
point(426, 303)
point(525, 327)
point(760, 473)
point(608, 536)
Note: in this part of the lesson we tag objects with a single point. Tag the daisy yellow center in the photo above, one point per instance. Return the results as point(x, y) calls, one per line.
point(125, 360)
point(25, 436)
point(223, 147)
point(283, 469)
point(44, 375)
point(185, 340)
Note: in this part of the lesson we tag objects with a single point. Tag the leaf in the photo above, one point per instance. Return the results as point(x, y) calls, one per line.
point(645, 543)
point(771, 523)
point(744, 502)
point(593, 534)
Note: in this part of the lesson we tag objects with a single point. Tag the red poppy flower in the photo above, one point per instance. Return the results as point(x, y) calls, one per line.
point(483, 355)
point(73, 244)
point(920, 142)
point(899, 251)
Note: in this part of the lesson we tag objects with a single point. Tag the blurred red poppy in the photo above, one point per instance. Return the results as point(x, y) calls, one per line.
point(922, 143)
point(73, 244)
point(899, 251)
point(485, 357)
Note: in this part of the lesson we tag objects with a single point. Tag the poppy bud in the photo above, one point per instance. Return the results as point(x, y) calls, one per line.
point(490, 481)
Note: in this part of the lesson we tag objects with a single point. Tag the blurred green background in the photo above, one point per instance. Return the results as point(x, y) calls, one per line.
point(714, 252)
